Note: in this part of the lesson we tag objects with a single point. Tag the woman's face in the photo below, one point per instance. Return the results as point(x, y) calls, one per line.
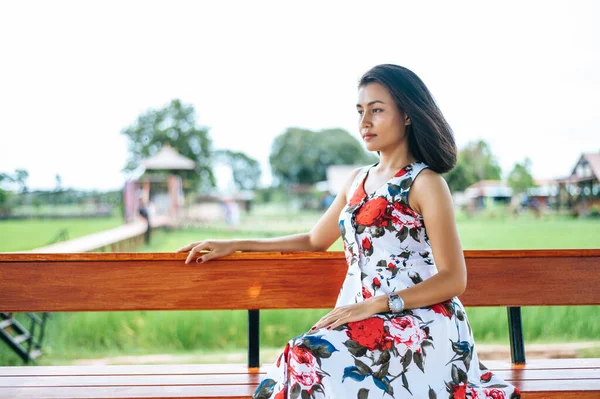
point(380, 123)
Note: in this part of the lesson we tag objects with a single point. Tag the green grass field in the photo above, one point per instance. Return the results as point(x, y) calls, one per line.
point(24, 235)
point(99, 334)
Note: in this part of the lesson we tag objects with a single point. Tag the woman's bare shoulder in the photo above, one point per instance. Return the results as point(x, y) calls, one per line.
point(429, 186)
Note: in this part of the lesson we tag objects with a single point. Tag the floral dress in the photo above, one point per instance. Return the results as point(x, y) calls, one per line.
point(425, 353)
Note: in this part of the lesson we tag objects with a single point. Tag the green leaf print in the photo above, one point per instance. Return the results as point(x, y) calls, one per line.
point(295, 392)
point(363, 393)
point(362, 367)
point(355, 348)
point(418, 357)
point(405, 184)
point(383, 358)
point(414, 233)
point(407, 359)
point(402, 234)
point(383, 371)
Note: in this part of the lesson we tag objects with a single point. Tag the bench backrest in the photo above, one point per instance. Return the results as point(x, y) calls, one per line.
point(161, 281)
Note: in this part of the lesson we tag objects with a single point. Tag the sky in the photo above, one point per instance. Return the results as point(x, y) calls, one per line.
point(523, 76)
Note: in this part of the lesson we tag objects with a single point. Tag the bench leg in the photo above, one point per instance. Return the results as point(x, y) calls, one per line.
point(253, 338)
point(515, 331)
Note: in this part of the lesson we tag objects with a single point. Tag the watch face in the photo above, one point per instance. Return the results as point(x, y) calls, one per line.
point(396, 303)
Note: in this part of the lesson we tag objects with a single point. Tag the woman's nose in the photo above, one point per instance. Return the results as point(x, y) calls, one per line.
point(365, 120)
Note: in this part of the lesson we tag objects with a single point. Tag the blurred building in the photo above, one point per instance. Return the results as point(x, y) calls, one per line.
point(580, 191)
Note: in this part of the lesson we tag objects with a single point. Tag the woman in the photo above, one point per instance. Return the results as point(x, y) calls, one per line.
point(398, 329)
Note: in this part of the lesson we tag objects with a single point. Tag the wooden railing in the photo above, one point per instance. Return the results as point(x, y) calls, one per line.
point(254, 281)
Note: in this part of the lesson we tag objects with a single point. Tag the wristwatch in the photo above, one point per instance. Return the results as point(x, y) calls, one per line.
point(395, 303)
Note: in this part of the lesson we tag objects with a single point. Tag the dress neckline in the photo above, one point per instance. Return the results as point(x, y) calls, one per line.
point(362, 183)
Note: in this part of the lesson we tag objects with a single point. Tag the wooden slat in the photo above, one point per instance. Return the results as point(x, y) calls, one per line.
point(137, 369)
point(541, 388)
point(184, 369)
point(546, 378)
point(575, 375)
point(124, 281)
point(163, 392)
point(129, 380)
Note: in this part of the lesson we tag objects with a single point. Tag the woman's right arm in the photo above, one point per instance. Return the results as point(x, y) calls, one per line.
point(323, 234)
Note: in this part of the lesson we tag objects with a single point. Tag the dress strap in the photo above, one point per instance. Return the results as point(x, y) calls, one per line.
point(359, 176)
point(417, 168)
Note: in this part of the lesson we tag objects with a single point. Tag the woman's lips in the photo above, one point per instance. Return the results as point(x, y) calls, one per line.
point(368, 137)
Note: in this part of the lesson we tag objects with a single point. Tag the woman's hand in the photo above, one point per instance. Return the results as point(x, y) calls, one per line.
point(216, 248)
point(349, 313)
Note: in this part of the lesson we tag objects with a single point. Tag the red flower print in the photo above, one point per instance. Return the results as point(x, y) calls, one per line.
point(402, 216)
point(391, 266)
point(459, 391)
point(372, 213)
point(486, 377)
point(284, 355)
point(357, 196)
point(302, 368)
point(280, 394)
point(401, 172)
point(517, 392)
point(302, 355)
point(366, 244)
point(366, 293)
point(494, 394)
point(405, 330)
point(369, 333)
point(442, 308)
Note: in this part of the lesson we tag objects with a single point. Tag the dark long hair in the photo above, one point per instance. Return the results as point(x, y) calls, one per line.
point(430, 138)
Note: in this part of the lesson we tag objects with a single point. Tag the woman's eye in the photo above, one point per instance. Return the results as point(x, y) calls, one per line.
point(377, 110)
point(359, 112)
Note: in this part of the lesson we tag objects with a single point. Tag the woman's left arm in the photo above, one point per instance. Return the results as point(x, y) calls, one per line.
point(430, 197)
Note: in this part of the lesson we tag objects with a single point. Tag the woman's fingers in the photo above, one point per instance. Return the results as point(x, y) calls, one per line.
point(338, 323)
point(188, 247)
point(195, 251)
point(326, 320)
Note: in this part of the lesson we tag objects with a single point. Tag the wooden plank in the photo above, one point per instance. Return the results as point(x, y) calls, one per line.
point(104, 282)
point(137, 369)
point(184, 369)
point(531, 389)
point(163, 392)
point(128, 380)
point(544, 364)
point(575, 375)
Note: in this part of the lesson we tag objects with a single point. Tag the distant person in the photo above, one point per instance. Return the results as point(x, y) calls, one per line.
point(143, 211)
point(398, 328)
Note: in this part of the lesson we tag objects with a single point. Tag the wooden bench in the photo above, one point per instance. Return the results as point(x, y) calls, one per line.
point(160, 281)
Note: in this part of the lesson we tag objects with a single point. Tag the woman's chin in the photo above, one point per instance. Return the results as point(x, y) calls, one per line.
point(371, 147)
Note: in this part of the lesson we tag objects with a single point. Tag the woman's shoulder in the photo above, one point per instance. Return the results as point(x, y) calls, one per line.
point(429, 186)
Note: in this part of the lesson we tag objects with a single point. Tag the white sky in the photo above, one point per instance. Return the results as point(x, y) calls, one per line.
point(524, 76)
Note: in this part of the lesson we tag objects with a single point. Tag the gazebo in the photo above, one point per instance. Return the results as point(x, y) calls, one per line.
point(164, 191)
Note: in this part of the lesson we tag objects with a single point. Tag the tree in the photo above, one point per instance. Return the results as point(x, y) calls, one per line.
point(520, 178)
point(175, 125)
point(475, 162)
point(21, 176)
point(4, 195)
point(246, 170)
point(301, 156)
